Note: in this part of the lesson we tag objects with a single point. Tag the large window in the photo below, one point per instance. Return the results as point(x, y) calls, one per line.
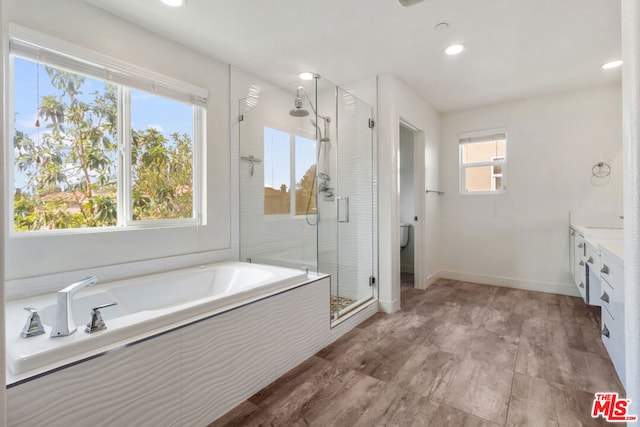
point(99, 152)
point(483, 157)
point(289, 173)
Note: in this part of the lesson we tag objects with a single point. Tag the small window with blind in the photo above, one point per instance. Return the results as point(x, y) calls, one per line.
point(483, 162)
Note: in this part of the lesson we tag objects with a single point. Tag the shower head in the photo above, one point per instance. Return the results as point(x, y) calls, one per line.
point(405, 3)
point(299, 111)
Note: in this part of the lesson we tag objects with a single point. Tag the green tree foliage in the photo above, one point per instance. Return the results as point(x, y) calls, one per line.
point(162, 175)
point(72, 170)
point(306, 192)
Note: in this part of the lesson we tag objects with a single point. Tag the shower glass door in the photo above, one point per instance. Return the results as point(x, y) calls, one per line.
point(349, 237)
point(308, 187)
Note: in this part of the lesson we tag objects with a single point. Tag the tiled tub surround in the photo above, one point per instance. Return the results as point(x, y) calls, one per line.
point(188, 375)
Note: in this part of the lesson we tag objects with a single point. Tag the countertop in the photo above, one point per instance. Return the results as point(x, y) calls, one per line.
point(604, 238)
point(615, 247)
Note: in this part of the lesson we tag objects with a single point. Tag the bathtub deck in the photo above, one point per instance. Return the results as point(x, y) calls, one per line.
point(456, 354)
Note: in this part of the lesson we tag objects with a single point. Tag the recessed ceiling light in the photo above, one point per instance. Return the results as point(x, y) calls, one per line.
point(173, 3)
point(454, 49)
point(306, 75)
point(612, 64)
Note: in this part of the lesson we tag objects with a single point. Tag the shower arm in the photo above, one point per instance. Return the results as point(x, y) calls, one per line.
point(301, 88)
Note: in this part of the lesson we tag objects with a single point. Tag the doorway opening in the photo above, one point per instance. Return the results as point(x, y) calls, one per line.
point(410, 177)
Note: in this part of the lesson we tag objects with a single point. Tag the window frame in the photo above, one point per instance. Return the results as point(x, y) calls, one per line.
point(479, 137)
point(495, 175)
point(47, 50)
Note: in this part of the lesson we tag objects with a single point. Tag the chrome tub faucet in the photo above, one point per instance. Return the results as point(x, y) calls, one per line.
point(65, 324)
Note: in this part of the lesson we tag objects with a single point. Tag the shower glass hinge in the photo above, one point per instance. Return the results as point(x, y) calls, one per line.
point(372, 280)
point(371, 123)
point(241, 118)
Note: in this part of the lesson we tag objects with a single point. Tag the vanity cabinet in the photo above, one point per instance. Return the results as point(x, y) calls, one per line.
point(612, 298)
point(597, 268)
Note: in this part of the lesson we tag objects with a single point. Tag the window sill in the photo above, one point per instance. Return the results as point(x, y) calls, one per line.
point(483, 193)
point(142, 225)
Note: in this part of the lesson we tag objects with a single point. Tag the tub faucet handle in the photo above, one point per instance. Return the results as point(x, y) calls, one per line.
point(33, 326)
point(96, 323)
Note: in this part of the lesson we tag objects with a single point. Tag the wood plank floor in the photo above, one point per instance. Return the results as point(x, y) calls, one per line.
point(457, 354)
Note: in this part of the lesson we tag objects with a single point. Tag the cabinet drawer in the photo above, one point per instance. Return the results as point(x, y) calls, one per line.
point(613, 300)
point(606, 298)
point(592, 259)
point(613, 338)
point(612, 271)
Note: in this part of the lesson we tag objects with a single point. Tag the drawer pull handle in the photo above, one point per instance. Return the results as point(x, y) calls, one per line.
point(604, 269)
point(605, 331)
point(590, 260)
point(581, 263)
point(580, 245)
point(605, 297)
point(581, 285)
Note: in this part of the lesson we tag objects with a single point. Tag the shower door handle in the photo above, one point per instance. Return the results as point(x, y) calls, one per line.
point(343, 209)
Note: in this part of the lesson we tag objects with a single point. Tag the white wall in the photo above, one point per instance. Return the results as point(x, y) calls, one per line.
point(92, 28)
point(396, 103)
point(631, 135)
point(3, 410)
point(520, 238)
point(407, 196)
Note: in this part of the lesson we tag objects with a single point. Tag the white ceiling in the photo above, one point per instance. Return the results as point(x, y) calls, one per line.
point(515, 48)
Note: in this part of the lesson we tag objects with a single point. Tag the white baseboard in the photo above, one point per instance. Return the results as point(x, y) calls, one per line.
point(510, 282)
point(389, 306)
point(428, 281)
point(431, 279)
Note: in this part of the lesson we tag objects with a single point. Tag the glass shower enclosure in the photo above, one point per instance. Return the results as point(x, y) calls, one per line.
point(308, 187)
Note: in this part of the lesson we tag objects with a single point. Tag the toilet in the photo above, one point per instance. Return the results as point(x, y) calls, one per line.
point(404, 234)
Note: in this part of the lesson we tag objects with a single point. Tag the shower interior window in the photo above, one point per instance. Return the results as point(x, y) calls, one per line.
point(289, 171)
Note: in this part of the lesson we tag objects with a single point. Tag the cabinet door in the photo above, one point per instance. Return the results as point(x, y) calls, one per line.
point(612, 332)
point(579, 276)
point(572, 253)
point(592, 265)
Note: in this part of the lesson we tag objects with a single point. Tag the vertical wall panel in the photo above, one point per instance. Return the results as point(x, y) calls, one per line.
point(225, 360)
point(303, 321)
point(137, 386)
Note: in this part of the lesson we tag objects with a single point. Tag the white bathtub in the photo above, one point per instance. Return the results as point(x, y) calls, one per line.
point(147, 306)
